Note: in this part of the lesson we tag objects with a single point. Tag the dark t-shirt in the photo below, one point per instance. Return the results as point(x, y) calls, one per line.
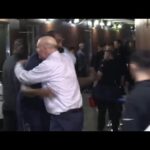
point(96, 60)
point(120, 57)
point(107, 90)
point(136, 116)
point(109, 69)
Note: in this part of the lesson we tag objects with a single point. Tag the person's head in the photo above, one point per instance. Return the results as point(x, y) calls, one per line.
point(19, 48)
point(140, 65)
point(108, 53)
point(117, 44)
point(58, 37)
point(81, 46)
point(45, 46)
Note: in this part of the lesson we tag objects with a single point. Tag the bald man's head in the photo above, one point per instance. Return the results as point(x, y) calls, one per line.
point(45, 46)
point(47, 40)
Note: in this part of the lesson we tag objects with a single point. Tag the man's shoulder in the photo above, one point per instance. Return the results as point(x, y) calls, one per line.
point(52, 62)
point(10, 62)
point(139, 94)
point(10, 58)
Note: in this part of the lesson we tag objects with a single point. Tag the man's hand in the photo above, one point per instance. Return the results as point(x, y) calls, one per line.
point(28, 91)
point(23, 61)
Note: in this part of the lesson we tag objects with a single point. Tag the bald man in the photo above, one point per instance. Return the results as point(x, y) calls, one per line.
point(56, 73)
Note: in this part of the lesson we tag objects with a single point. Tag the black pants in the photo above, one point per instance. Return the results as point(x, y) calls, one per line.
point(10, 121)
point(31, 114)
point(37, 120)
point(68, 121)
point(114, 110)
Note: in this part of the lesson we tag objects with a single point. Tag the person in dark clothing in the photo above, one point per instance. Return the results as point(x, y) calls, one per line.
point(11, 86)
point(130, 49)
point(97, 58)
point(136, 116)
point(81, 64)
point(107, 92)
point(32, 110)
point(120, 57)
point(32, 113)
point(129, 81)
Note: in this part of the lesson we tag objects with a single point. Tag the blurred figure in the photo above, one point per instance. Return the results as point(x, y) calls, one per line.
point(106, 91)
point(119, 51)
point(32, 114)
point(97, 58)
point(130, 49)
point(83, 81)
point(61, 48)
point(81, 61)
point(85, 77)
point(120, 57)
point(32, 109)
point(57, 74)
point(137, 109)
point(129, 82)
point(11, 86)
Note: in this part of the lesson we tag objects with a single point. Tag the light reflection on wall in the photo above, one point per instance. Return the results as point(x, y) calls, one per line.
point(142, 33)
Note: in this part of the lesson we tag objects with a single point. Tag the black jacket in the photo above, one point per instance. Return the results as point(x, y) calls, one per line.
point(137, 109)
point(32, 102)
point(10, 83)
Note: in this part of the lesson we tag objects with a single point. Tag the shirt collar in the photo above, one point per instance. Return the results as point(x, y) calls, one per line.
point(53, 54)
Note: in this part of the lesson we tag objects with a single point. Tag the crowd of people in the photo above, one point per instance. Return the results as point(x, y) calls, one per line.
point(44, 93)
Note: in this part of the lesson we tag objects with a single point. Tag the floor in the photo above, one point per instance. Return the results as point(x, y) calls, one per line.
point(90, 115)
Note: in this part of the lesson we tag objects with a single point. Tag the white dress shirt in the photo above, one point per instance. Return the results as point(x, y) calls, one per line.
point(69, 55)
point(58, 74)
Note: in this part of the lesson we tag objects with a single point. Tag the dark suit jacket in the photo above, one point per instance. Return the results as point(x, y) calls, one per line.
point(10, 83)
point(136, 116)
point(32, 102)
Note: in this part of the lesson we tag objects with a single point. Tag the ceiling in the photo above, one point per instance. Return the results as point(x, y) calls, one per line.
point(126, 21)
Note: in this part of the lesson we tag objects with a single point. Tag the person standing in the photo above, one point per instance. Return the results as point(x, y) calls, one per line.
point(106, 92)
point(81, 61)
point(58, 75)
point(136, 116)
point(11, 86)
point(32, 114)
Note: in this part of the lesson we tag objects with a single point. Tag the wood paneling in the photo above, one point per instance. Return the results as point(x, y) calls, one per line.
point(142, 33)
